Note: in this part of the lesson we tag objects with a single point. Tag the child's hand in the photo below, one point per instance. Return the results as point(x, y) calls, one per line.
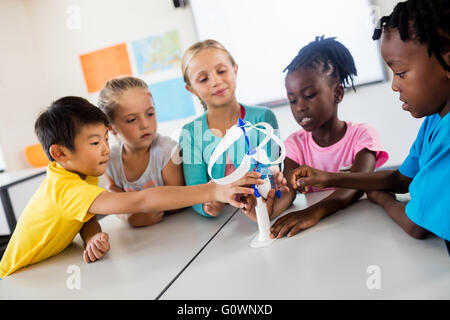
point(213, 208)
point(96, 247)
point(279, 179)
point(227, 193)
point(249, 202)
point(293, 222)
point(305, 176)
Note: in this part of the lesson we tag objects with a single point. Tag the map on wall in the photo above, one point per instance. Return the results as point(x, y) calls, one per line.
point(157, 53)
point(155, 59)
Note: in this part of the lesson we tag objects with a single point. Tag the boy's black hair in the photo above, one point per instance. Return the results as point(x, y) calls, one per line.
point(63, 120)
point(427, 21)
point(333, 56)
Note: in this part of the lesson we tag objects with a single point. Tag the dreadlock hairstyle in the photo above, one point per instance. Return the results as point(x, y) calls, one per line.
point(427, 21)
point(329, 55)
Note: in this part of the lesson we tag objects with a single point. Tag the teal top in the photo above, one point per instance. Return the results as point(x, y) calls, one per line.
point(428, 165)
point(198, 143)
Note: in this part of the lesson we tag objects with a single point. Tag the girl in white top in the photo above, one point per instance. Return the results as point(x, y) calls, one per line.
point(143, 158)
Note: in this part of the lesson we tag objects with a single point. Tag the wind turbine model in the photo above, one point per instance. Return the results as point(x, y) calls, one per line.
point(262, 163)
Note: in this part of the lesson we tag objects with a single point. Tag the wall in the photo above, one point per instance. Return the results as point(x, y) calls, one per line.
point(39, 63)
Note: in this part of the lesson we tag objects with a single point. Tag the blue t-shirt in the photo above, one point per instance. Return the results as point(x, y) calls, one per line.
point(428, 164)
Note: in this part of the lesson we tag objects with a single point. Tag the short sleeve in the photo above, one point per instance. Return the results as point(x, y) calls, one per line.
point(76, 198)
point(410, 166)
point(168, 149)
point(292, 150)
point(429, 206)
point(113, 170)
point(368, 139)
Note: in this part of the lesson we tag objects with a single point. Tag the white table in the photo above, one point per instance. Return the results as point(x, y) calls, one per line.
point(16, 188)
point(140, 264)
point(187, 256)
point(327, 261)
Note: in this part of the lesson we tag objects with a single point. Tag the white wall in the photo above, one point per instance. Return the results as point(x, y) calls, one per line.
point(39, 62)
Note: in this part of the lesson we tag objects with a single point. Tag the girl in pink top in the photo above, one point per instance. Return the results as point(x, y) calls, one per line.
point(315, 85)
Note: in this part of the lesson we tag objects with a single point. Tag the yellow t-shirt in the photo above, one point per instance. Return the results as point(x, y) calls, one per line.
point(52, 218)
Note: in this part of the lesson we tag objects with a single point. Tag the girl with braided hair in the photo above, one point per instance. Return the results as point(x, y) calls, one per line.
point(415, 44)
point(315, 85)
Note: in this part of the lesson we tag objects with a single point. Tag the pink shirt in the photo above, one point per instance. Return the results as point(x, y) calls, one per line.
point(301, 148)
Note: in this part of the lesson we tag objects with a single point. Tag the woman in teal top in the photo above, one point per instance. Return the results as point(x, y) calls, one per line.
point(210, 73)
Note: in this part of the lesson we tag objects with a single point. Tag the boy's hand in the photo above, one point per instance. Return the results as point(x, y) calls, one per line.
point(249, 202)
point(227, 193)
point(293, 222)
point(305, 176)
point(213, 208)
point(96, 247)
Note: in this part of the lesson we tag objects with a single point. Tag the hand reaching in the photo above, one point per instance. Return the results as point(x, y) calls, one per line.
point(249, 202)
point(303, 177)
point(292, 223)
point(227, 193)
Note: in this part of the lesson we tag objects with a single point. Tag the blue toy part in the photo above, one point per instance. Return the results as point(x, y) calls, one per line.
point(257, 194)
point(265, 172)
point(262, 168)
point(241, 124)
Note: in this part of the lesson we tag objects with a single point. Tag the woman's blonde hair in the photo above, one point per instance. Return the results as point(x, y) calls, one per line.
point(113, 89)
point(192, 51)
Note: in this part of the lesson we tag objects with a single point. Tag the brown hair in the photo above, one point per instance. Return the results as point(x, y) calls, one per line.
point(113, 89)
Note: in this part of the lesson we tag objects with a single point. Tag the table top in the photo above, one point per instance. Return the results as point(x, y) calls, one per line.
point(7, 178)
point(187, 256)
point(139, 265)
point(336, 259)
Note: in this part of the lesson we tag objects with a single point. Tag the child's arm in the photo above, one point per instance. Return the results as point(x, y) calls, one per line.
point(136, 219)
point(396, 210)
point(389, 180)
point(295, 221)
point(172, 197)
point(96, 242)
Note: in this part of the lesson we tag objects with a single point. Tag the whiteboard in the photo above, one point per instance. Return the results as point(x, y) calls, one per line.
point(264, 36)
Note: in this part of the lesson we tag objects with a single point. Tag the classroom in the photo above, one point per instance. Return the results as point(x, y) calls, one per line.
point(361, 249)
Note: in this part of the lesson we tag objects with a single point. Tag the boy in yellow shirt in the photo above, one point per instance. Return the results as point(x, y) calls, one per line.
point(74, 134)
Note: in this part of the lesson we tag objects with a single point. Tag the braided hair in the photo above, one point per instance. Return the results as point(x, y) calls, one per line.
point(427, 21)
point(329, 55)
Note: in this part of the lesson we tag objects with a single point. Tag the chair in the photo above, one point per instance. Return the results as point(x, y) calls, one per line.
point(36, 156)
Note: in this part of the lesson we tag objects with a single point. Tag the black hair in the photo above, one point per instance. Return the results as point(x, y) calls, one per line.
point(63, 120)
point(334, 58)
point(427, 21)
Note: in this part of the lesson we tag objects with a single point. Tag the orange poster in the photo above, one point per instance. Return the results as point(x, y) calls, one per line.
point(101, 65)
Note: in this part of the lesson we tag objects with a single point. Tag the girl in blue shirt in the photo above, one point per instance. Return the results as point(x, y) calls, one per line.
point(416, 46)
point(210, 72)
